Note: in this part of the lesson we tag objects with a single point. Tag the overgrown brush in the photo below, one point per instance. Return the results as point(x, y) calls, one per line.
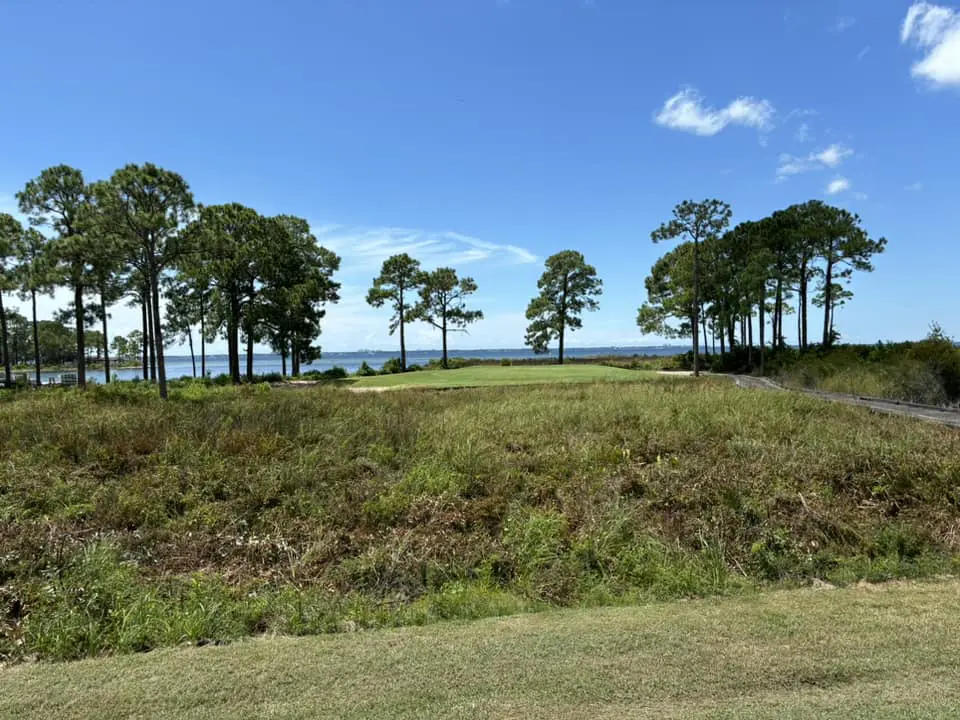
point(925, 372)
point(127, 523)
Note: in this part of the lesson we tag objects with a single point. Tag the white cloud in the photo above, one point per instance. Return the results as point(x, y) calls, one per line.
point(833, 155)
point(803, 133)
point(863, 53)
point(842, 24)
point(830, 157)
point(838, 185)
point(914, 187)
point(861, 196)
point(686, 111)
point(935, 30)
point(365, 249)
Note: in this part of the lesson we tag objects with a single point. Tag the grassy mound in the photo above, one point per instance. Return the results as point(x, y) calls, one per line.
point(486, 375)
point(126, 523)
point(868, 652)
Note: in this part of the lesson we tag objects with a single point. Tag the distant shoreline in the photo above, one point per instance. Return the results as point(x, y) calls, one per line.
point(73, 368)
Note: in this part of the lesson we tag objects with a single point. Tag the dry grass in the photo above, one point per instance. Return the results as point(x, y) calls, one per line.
point(127, 524)
point(888, 651)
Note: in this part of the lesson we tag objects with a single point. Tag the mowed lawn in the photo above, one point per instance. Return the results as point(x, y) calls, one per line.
point(885, 651)
point(485, 375)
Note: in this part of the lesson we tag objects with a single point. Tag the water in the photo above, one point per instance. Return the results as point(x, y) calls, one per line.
point(180, 365)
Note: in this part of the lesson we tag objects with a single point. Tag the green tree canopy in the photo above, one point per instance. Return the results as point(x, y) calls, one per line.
point(144, 207)
point(567, 287)
point(58, 198)
point(443, 303)
point(398, 281)
point(696, 222)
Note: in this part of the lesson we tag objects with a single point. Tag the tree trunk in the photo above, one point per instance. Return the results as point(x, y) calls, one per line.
point(294, 359)
point(723, 349)
point(36, 336)
point(828, 302)
point(696, 307)
point(193, 360)
point(403, 344)
point(802, 310)
point(563, 318)
point(149, 339)
point(778, 316)
point(146, 335)
point(703, 322)
point(762, 303)
point(750, 338)
point(158, 335)
point(81, 350)
point(233, 330)
point(444, 333)
point(203, 340)
point(249, 329)
point(800, 327)
point(7, 369)
point(283, 361)
point(106, 341)
point(249, 356)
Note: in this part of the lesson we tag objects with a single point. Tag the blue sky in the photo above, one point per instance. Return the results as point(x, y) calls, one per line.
point(488, 134)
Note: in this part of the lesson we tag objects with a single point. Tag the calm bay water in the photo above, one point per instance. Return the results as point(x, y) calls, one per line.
point(180, 365)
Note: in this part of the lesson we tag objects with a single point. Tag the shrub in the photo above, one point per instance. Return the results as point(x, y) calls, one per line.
point(365, 370)
point(391, 367)
point(506, 362)
point(943, 360)
point(335, 373)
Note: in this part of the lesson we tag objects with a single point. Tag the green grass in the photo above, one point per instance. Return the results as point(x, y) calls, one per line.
point(868, 652)
point(480, 376)
point(128, 524)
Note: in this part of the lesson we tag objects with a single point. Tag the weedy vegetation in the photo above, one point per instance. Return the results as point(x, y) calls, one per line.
point(127, 523)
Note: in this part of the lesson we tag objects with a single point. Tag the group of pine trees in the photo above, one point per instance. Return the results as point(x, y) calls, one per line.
point(717, 281)
point(140, 236)
point(567, 287)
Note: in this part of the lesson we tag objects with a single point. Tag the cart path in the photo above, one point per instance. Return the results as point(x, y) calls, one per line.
point(943, 416)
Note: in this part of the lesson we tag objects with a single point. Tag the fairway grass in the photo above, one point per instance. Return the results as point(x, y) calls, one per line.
point(883, 651)
point(486, 375)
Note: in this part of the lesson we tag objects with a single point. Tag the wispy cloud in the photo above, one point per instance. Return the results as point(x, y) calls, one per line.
point(830, 157)
point(863, 53)
point(914, 187)
point(935, 30)
point(365, 249)
point(802, 134)
point(860, 196)
point(801, 113)
point(687, 112)
point(838, 185)
point(842, 24)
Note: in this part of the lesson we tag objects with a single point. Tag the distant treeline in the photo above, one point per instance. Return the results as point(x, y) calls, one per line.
point(718, 281)
point(227, 271)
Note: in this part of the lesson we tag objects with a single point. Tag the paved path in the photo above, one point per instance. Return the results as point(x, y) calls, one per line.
point(942, 416)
